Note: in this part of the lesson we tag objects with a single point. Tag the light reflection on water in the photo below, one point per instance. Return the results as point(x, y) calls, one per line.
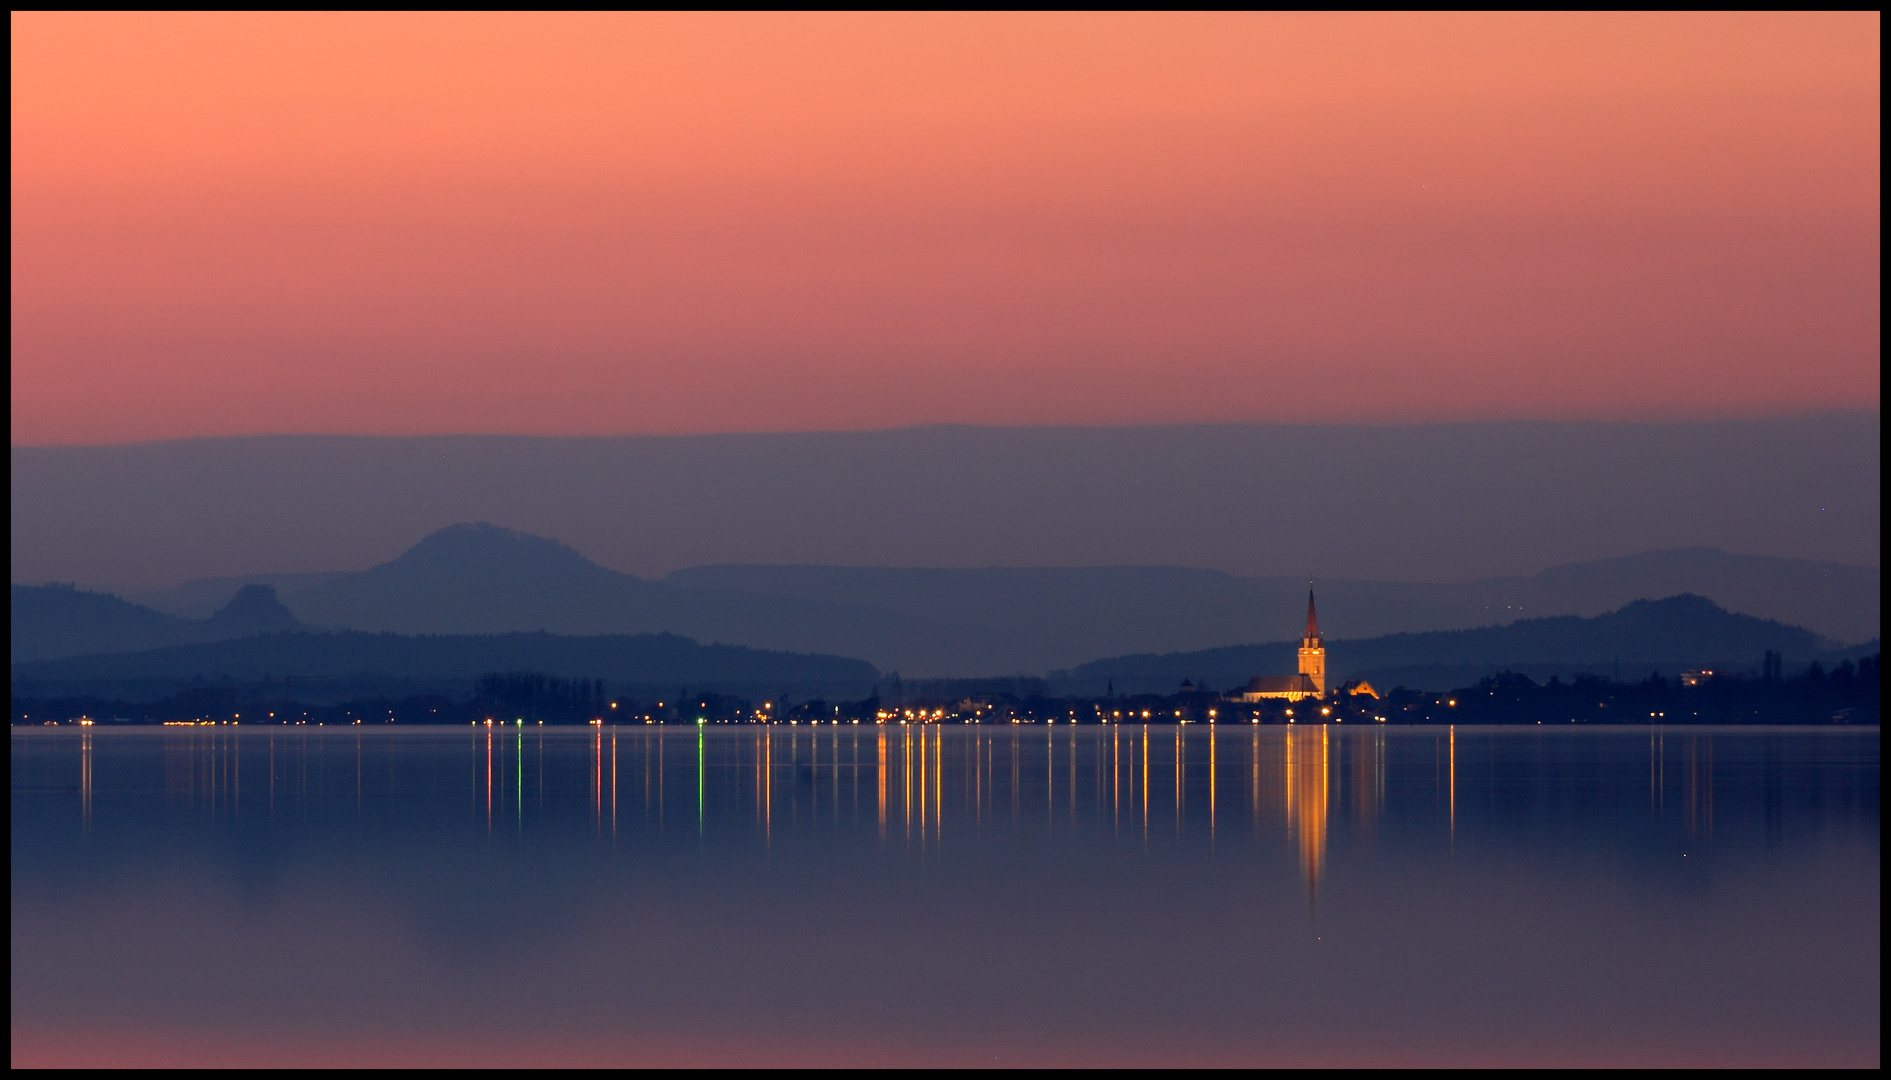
point(1104, 894)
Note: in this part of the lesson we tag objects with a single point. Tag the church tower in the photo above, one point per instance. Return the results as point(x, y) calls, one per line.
point(1313, 650)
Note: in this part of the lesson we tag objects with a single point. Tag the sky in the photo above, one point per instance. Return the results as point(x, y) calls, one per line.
point(649, 224)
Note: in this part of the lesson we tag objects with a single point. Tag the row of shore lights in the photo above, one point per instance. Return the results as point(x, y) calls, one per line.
point(909, 716)
point(923, 717)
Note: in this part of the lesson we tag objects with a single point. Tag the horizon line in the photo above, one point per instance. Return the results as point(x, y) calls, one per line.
point(1701, 421)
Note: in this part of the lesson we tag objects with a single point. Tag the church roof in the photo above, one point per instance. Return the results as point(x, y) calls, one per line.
point(1280, 684)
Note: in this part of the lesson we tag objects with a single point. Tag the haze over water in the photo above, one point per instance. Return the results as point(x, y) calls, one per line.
point(957, 896)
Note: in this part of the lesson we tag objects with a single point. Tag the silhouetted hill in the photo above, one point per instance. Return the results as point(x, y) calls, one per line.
point(307, 663)
point(479, 578)
point(201, 598)
point(482, 579)
point(59, 620)
point(470, 579)
point(1837, 601)
point(1680, 631)
point(253, 610)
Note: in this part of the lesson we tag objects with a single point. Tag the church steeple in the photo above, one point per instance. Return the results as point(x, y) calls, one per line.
point(1313, 651)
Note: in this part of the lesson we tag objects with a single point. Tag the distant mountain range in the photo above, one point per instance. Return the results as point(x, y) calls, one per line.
point(1039, 619)
point(1680, 631)
point(480, 579)
point(1645, 636)
point(1379, 502)
point(58, 620)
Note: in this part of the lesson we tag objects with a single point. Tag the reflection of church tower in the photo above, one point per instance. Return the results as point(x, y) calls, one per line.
point(1307, 757)
point(1313, 651)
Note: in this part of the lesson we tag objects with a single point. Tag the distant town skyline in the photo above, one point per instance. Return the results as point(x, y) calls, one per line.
point(623, 224)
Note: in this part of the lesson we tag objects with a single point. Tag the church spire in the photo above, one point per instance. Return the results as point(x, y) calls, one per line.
point(1313, 650)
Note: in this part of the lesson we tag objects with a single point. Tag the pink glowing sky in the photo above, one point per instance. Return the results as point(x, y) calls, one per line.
point(602, 224)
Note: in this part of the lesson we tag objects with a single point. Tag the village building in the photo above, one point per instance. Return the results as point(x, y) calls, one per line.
point(1309, 683)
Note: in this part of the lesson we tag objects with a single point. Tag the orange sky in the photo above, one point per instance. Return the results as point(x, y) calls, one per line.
point(626, 223)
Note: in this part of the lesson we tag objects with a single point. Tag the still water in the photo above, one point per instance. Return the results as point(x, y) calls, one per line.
point(945, 895)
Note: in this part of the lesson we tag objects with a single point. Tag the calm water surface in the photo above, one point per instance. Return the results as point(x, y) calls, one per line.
point(960, 895)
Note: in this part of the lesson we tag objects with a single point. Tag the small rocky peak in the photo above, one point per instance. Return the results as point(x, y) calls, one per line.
point(254, 610)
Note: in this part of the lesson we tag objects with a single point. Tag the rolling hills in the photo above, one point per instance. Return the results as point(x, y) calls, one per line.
point(1644, 636)
point(480, 579)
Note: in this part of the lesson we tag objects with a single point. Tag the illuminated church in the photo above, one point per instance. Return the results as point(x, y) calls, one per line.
point(1310, 683)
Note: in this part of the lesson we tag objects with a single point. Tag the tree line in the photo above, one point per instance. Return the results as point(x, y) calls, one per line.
point(1848, 693)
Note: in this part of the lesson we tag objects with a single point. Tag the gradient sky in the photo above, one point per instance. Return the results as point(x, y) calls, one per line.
point(600, 224)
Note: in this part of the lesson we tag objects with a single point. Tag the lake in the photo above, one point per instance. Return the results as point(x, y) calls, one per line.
point(945, 895)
